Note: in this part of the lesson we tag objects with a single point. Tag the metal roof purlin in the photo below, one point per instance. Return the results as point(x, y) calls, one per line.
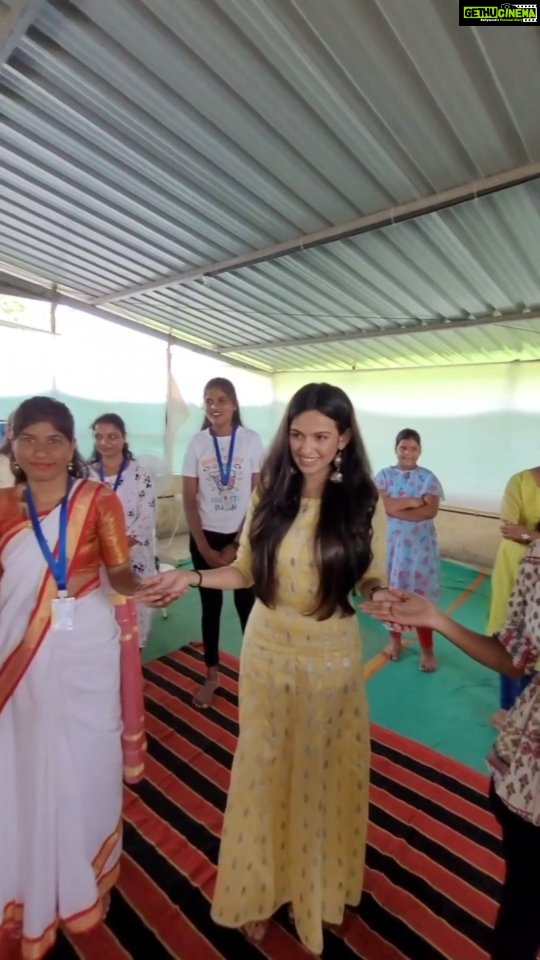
point(399, 330)
point(365, 224)
point(14, 25)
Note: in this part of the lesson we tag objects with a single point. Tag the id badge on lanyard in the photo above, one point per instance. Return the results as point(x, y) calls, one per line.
point(225, 471)
point(63, 613)
point(63, 607)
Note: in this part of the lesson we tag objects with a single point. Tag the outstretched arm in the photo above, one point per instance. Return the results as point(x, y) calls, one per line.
point(415, 611)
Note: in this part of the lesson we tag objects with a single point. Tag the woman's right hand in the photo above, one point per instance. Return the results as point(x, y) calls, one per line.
point(409, 610)
point(164, 588)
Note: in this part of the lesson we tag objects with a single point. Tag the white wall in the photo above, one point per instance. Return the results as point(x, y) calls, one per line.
point(479, 424)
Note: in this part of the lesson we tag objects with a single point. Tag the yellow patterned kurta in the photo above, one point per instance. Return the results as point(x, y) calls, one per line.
point(521, 504)
point(296, 818)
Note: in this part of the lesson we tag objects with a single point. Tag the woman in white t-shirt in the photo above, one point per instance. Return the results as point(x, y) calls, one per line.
point(221, 468)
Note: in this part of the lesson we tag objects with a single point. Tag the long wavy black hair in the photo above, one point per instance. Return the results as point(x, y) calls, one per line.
point(342, 547)
point(46, 410)
point(229, 389)
point(115, 421)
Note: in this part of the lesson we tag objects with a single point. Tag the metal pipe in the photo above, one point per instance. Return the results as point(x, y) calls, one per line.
point(353, 228)
point(400, 330)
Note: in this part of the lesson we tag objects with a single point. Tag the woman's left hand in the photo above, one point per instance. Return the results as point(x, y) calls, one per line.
point(515, 531)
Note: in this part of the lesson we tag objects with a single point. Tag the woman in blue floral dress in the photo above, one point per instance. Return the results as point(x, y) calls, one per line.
point(411, 496)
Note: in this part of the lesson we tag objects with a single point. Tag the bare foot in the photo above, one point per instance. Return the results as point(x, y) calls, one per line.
point(204, 696)
point(393, 649)
point(255, 931)
point(498, 718)
point(428, 662)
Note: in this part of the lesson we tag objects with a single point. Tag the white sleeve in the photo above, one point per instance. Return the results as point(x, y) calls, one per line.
point(143, 526)
point(190, 466)
point(257, 454)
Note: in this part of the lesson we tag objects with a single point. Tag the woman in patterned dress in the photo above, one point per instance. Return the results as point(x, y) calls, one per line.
point(411, 496)
point(113, 463)
point(295, 825)
point(515, 759)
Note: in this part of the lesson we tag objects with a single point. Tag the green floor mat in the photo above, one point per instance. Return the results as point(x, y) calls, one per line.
point(448, 711)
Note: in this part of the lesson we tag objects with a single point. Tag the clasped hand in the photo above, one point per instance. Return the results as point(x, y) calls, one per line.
point(514, 531)
point(402, 608)
point(164, 588)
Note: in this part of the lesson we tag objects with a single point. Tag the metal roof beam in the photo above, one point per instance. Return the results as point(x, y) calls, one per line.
point(353, 228)
point(15, 23)
point(400, 330)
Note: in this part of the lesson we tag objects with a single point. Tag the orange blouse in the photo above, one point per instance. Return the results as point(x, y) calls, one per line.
point(105, 541)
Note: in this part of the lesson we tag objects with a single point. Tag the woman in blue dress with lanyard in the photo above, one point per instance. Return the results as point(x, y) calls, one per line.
point(221, 468)
point(113, 463)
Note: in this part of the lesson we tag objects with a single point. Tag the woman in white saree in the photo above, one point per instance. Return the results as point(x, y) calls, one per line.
point(61, 721)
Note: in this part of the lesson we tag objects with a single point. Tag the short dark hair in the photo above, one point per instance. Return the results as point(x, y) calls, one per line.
point(408, 434)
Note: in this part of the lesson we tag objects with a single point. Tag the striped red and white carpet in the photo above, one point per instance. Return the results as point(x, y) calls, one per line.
point(433, 862)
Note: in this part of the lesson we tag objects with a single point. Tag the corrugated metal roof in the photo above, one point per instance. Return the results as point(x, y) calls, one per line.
point(465, 262)
point(143, 138)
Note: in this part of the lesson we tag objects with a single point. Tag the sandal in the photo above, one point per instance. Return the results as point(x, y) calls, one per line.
point(202, 700)
point(255, 932)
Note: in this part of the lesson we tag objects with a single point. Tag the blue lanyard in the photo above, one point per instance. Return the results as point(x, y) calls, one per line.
point(119, 475)
point(57, 566)
point(225, 474)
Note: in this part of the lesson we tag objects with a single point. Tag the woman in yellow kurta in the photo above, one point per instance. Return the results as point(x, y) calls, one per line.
point(296, 818)
point(520, 514)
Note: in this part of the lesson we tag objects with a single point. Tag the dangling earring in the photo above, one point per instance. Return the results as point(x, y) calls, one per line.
point(337, 476)
point(15, 467)
point(70, 466)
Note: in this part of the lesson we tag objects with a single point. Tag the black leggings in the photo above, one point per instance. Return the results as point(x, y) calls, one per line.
point(517, 928)
point(212, 600)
